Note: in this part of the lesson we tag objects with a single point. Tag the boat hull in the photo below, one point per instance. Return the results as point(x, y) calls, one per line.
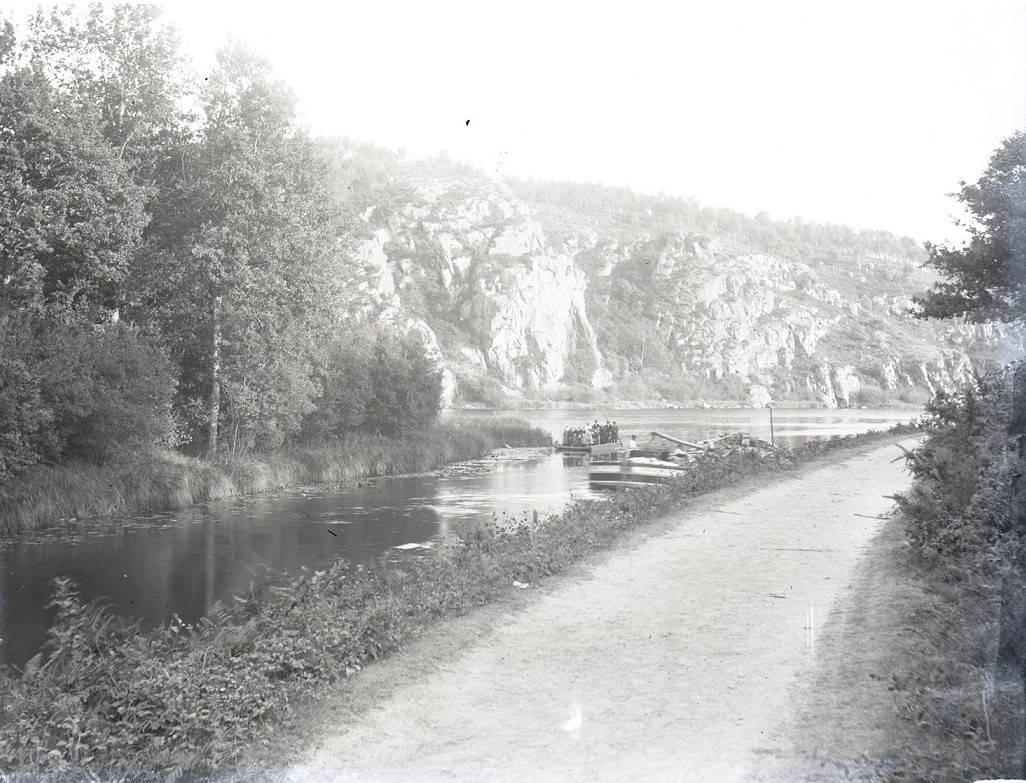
point(574, 449)
point(632, 473)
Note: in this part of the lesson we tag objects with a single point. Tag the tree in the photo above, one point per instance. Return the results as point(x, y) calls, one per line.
point(250, 255)
point(985, 279)
point(70, 216)
point(26, 423)
point(122, 65)
point(969, 472)
point(109, 388)
point(374, 381)
point(407, 387)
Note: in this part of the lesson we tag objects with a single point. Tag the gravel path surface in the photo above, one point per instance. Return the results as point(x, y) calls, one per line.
point(682, 656)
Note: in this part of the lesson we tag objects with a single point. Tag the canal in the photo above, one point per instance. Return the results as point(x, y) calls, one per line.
point(150, 567)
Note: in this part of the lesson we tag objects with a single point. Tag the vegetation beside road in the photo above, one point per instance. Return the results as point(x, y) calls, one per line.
point(962, 688)
point(120, 701)
point(967, 508)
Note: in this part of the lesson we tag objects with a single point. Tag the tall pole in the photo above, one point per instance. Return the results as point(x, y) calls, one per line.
point(773, 441)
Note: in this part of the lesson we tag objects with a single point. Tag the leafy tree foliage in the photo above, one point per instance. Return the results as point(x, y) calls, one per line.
point(70, 219)
point(120, 65)
point(375, 381)
point(70, 216)
point(254, 258)
point(172, 274)
point(985, 280)
point(407, 387)
point(26, 431)
point(109, 389)
point(967, 506)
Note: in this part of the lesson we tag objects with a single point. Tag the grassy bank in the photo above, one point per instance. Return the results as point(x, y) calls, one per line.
point(49, 496)
point(127, 704)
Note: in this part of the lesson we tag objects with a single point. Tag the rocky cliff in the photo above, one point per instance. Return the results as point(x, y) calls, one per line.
point(467, 261)
point(516, 299)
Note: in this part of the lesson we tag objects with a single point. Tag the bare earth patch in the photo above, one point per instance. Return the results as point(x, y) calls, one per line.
point(689, 653)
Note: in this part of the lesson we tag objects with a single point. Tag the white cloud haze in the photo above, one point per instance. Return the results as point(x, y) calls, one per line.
point(866, 114)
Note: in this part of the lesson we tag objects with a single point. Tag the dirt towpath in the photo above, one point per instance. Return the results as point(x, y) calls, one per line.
point(681, 656)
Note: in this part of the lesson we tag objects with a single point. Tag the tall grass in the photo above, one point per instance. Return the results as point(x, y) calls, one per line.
point(115, 702)
point(49, 496)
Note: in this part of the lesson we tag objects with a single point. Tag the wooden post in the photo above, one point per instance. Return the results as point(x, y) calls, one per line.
point(772, 440)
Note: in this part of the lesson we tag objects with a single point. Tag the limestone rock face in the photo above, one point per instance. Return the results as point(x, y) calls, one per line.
point(541, 298)
point(373, 294)
point(518, 303)
point(525, 318)
point(744, 315)
point(846, 385)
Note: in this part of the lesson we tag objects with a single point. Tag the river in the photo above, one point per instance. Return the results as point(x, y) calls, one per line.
point(150, 567)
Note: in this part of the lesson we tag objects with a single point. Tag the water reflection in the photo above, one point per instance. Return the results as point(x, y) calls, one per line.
point(152, 567)
point(790, 426)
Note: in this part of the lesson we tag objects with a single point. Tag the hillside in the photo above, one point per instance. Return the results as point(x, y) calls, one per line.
point(532, 292)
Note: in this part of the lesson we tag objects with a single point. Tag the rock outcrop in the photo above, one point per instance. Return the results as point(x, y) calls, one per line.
point(493, 288)
point(517, 304)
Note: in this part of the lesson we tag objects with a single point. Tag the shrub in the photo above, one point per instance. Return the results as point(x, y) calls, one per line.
point(109, 390)
point(481, 388)
point(407, 387)
point(965, 502)
point(966, 520)
point(372, 381)
point(915, 395)
point(870, 394)
point(25, 422)
point(86, 394)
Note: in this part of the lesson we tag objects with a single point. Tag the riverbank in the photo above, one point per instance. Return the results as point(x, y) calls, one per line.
point(524, 404)
point(48, 497)
point(118, 701)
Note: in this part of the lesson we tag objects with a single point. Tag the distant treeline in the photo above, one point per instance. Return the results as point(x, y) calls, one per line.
point(371, 171)
point(761, 232)
point(174, 268)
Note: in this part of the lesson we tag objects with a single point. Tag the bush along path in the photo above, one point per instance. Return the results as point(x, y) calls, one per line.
point(966, 523)
point(111, 700)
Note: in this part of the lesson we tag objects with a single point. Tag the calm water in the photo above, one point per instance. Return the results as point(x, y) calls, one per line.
point(151, 567)
point(789, 426)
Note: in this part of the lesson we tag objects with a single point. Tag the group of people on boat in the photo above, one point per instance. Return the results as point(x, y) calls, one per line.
point(591, 435)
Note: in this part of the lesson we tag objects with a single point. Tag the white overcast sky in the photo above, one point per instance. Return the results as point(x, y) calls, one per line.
point(862, 113)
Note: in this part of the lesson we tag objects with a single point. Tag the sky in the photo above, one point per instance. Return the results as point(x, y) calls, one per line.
point(865, 113)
